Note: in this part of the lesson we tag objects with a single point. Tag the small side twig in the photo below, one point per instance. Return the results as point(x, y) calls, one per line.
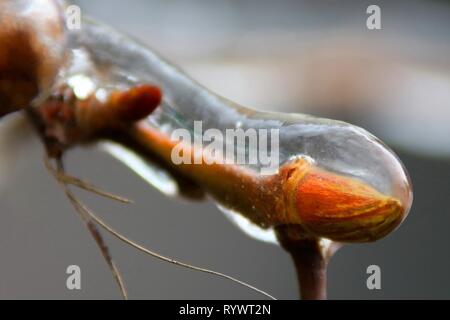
point(70, 180)
point(95, 233)
point(89, 216)
point(93, 230)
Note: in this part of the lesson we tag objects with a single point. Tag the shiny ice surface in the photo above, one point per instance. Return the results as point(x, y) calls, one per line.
point(336, 146)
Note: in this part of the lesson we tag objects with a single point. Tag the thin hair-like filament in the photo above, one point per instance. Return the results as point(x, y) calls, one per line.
point(85, 211)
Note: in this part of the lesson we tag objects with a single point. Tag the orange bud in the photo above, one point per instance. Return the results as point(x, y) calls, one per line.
point(122, 107)
point(135, 103)
point(345, 209)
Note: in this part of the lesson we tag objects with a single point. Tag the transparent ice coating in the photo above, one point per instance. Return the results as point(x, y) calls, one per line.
point(332, 145)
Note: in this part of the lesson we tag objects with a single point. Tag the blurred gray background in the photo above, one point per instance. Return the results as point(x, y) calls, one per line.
point(295, 56)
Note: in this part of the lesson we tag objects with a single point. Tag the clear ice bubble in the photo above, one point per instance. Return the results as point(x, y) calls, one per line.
point(336, 147)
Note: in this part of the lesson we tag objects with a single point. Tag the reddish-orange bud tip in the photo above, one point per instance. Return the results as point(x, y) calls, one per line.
point(345, 209)
point(138, 102)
